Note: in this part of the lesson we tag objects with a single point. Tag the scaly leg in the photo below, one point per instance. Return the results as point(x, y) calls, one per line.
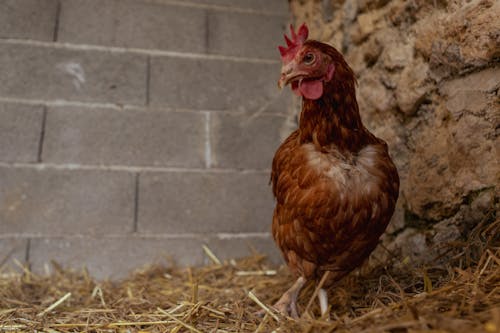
point(287, 304)
point(323, 301)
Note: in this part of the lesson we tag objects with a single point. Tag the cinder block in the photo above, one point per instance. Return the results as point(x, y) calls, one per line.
point(124, 137)
point(193, 202)
point(12, 249)
point(88, 76)
point(20, 131)
point(243, 246)
point(246, 142)
point(213, 84)
point(271, 6)
point(245, 35)
point(137, 24)
point(28, 19)
point(113, 257)
point(65, 202)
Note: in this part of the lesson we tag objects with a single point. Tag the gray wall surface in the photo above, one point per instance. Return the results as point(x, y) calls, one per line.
point(132, 131)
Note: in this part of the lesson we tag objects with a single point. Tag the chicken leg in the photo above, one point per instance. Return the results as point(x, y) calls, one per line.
point(287, 304)
point(323, 302)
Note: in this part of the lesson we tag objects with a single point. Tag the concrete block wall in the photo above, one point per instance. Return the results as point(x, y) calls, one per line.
point(132, 131)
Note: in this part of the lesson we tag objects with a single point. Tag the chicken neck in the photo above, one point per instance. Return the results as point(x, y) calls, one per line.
point(333, 119)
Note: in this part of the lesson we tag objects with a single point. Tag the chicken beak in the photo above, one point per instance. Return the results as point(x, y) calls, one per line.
point(286, 75)
point(282, 82)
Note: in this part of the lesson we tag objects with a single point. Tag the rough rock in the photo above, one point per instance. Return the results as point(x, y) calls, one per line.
point(471, 93)
point(451, 160)
point(374, 94)
point(397, 56)
point(413, 85)
point(466, 101)
point(350, 9)
point(464, 37)
point(412, 245)
point(367, 23)
point(485, 80)
point(370, 4)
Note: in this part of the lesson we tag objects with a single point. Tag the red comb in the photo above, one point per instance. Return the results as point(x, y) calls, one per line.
point(293, 45)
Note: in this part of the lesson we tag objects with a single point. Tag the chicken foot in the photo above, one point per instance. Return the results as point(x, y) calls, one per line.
point(287, 304)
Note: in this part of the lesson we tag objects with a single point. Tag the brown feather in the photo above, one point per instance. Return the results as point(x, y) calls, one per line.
point(334, 182)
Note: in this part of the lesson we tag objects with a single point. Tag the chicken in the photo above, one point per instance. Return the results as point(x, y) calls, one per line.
point(334, 182)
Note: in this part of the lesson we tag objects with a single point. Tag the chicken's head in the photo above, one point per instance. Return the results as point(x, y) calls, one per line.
point(306, 65)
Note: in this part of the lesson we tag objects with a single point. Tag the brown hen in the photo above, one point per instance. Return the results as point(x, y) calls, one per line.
point(334, 182)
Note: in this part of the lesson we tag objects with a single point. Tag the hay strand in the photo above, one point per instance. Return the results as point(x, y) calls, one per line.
point(211, 255)
point(262, 306)
point(54, 305)
point(189, 327)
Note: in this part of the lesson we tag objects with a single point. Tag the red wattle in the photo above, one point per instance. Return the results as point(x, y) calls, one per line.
point(311, 89)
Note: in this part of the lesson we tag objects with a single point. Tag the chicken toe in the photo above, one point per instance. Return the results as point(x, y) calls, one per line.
point(287, 304)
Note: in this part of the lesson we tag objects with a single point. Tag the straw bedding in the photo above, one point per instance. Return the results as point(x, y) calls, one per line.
point(462, 295)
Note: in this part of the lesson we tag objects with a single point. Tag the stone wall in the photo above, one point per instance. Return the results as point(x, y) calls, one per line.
point(136, 130)
point(429, 74)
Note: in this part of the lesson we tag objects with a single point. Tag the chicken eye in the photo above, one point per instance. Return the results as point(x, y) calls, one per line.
point(309, 58)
